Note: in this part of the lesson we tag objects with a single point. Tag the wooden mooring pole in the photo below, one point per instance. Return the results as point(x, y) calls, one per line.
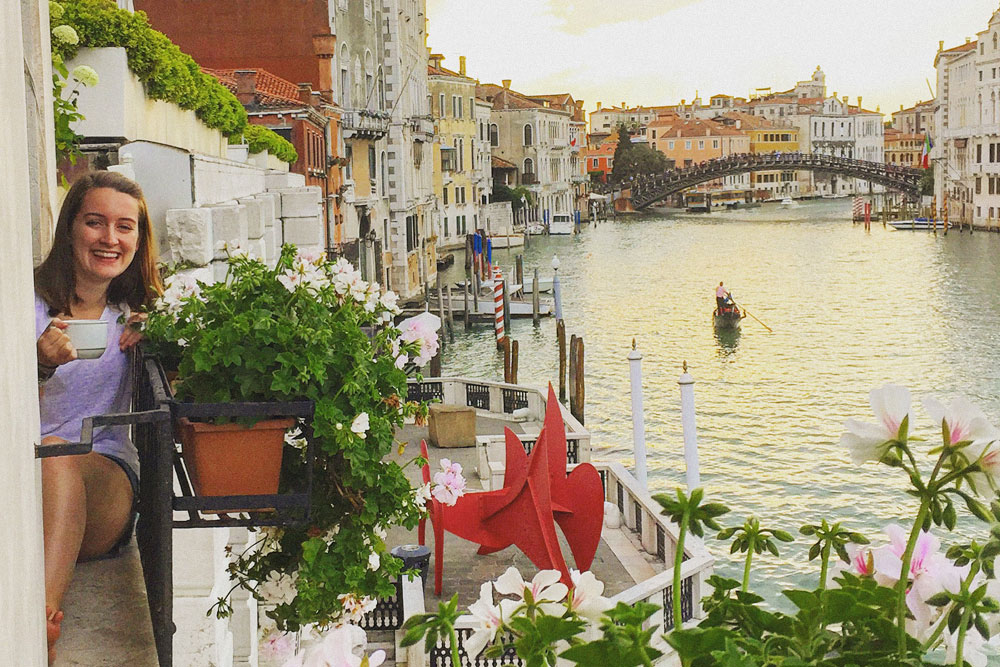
point(451, 315)
point(444, 323)
point(561, 341)
point(506, 360)
point(535, 299)
point(572, 374)
point(513, 362)
point(578, 384)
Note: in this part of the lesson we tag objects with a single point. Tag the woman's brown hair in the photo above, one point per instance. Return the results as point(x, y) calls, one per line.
point(55, 278)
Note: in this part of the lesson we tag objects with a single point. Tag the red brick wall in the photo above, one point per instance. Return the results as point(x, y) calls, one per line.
point(275, 35)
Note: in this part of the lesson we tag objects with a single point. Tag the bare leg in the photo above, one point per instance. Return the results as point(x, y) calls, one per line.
point(86, 504)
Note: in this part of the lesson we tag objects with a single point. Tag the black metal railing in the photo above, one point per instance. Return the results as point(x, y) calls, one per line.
point(687, 603)
point(440, 654)
point(514, 399)
point(477, 396)
point(425, 391)
point(388, 612)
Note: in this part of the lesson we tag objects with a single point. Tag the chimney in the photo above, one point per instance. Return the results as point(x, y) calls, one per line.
point(246, 86)
point(859, 101)
point(436, 59)
point(506, 83)
point(968, 39)
point(598, 106)
point(940, 45)
point(900, 107)
point(623, 105)
point(835, 93)
point(845, 99)
point(461, 65)
point(305, 93)
point(324, 47)
point(682, 102)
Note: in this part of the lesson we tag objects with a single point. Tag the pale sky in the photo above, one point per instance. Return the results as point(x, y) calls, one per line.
point(662, 51)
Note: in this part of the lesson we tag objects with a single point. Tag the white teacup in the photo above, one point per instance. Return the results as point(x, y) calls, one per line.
point(89, 337)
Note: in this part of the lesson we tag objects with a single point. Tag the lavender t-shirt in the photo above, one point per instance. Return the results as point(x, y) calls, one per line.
point(89, 387)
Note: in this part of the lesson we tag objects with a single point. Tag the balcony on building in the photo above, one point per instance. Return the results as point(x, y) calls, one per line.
point(449, 159)
point(529, 178)
point(422, 128)
point(364, 124)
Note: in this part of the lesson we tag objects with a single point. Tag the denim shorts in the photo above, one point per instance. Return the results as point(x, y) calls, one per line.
point(126, 535)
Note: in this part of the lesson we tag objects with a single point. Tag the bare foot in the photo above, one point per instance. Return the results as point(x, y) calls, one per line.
point(53, 630)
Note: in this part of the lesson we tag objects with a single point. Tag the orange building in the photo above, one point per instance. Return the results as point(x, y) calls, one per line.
point(689, 142)
point(600, 159)
point(903, 148)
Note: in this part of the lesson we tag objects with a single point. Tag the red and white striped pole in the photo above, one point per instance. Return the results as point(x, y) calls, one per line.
point(498, 297)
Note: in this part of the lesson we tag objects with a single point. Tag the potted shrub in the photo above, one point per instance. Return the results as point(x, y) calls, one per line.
point(307, 329)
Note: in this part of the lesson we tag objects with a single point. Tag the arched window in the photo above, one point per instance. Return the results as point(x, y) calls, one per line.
point(345, 77)
point(494, 135)
point(529, 166)
point(369, 90)
point(527, 134)
point(994, 41)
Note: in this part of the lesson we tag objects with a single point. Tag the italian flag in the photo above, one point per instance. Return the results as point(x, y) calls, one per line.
point(925, 155)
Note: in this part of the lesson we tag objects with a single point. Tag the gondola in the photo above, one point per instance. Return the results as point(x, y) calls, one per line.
point(728, 317)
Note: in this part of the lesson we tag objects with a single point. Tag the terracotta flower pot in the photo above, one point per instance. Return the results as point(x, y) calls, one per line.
point(231, 459)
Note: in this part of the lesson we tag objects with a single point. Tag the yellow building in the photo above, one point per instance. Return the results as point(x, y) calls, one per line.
point(767, 136)
point(453, 106)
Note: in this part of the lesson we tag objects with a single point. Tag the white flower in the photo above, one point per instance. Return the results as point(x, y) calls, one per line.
point(343, 646)
point(422, 494)
point(290, 280)
point(389, 302)
point(586, 599)
point(314, 257)
point(869, 442)
point(66, 34)
point(967, 423)
point(355, 607)
point(374, 561)
point(489, 617)
point(294, 438)
point(279, 588)
point(401, 360)
point(56, 10)
point(360, 425)
point(85, 74)
point(545, 588)
point(380, 532)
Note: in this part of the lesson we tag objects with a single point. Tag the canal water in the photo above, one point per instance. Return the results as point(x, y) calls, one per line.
point(850, 310)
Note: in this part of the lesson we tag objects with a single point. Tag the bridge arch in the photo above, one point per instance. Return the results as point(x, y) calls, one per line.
point(651, 188)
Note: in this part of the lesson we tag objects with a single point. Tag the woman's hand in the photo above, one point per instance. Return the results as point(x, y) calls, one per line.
point(132, 335)
point(54, 346)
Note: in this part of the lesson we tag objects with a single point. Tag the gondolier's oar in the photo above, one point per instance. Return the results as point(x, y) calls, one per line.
point(754, 316)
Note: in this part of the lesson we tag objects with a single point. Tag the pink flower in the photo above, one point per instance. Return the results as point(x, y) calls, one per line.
point(423, 329)
point(449, 485)
point(861, 560)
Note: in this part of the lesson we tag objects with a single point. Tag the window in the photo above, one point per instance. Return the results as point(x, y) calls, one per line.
point(527, 135)
point(385, 177)
point(654, 145)
point(446, 225)
point(444, 195)
point(701, 144)
point(368, 10)
point(345, 77)
point(715, 143)
point(670, 145)
point(441, 112)
point(456, 106)
point(654, 134)
point(494, 135)
point(461, 148)
point(687, 145)
point(979, 153)
point(412, 233)
point(529, 166)
point(449, 161)
point(372, 167)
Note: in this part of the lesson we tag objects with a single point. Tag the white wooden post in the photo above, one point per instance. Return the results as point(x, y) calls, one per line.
point(638, 421)
point(690, 431)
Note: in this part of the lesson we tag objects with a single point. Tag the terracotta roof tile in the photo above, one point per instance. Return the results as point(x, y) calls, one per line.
point(270, 90)
point(500, 163)
point(968, 46)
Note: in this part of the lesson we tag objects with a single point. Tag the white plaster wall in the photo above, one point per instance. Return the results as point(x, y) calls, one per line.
point(22, 636)
point(164, 172)
point(218, 180)
point(118, 107)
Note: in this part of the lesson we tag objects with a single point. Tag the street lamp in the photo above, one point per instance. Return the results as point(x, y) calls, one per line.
point(556, 291)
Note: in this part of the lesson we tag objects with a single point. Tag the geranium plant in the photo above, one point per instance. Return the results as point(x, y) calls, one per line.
point(307, 329)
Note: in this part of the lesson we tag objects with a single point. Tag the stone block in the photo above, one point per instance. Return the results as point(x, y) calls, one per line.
point(219, 270)
point(270, 247)
point(196, 568)
point(301, 203)
point(257, 249)
point(255, 217)
point(452, 426)
point(303, 231)
point(196, 636)
point(274, 180)
point(229, 225)
point(272, 207)
point(189, 233)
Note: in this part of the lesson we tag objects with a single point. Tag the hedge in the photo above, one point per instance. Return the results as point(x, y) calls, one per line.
point(261, 138)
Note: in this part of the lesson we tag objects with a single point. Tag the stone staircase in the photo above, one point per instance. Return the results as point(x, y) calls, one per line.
point(384, 640)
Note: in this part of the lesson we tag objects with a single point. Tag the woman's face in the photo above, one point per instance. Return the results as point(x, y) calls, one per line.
point(105, 235)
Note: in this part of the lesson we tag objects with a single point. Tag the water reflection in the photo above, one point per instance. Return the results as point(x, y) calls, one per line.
point(728, 340)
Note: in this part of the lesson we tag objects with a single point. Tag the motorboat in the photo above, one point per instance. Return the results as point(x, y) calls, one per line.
point(788, 202)
point(562, 223)
point(507, 240)
point(544, 284)
point(917, 224)
point(536, 229)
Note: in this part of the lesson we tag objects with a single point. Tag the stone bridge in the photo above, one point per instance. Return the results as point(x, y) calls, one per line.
point(649, 189)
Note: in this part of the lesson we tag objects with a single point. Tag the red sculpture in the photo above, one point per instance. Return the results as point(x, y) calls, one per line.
point(537, 494)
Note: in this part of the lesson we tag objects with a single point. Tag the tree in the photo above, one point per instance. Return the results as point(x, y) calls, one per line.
point(639, 160)
point(516, 196)
point(624, 147)
point(927, 182)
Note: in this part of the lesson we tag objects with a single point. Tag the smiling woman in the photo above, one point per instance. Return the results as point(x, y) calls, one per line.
point(101, 268)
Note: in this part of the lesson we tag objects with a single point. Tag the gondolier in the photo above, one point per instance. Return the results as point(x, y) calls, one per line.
point(721, 294)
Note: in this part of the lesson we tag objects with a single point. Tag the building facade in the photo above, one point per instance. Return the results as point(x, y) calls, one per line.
point(690, 142)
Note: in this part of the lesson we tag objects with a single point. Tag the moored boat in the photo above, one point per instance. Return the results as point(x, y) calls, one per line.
point(917, 224)
point(788, 202)
point(728, 317)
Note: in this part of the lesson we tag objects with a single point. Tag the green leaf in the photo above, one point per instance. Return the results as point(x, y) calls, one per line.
point(783, 535)
point(804, 600)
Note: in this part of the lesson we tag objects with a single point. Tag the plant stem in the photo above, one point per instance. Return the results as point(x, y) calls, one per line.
point(678, 559)
point(455, 660)
point(644, 657)
point(746, 570)
point(904, 577)
point(824, 564)
point(960, 644)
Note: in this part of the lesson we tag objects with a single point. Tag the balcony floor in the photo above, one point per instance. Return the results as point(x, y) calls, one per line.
point(620, 562)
